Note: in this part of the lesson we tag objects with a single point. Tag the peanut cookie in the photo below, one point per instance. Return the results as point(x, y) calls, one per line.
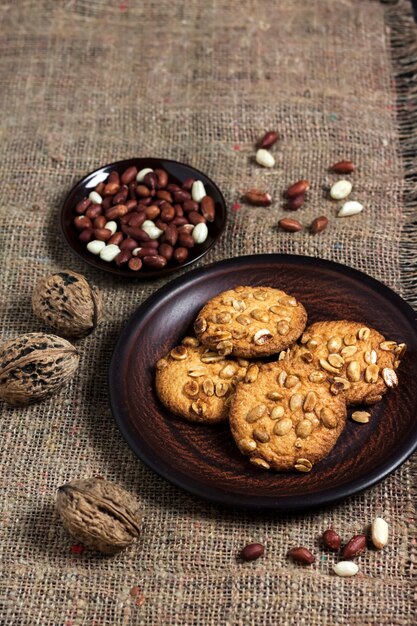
point(351, 358)
point(285, 421)
point(198, 384)
point(250, 321)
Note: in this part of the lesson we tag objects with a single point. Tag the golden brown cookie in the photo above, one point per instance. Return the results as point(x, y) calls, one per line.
point(285, 421)
point(351, 358)
point(197, 384)
point(250, 321)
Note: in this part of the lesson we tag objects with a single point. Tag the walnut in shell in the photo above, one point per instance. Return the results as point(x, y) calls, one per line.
point(99, 514)
point(34, 366)
point(67, 303)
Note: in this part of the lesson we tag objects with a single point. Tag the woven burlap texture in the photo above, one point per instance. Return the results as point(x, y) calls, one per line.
point(87, 82)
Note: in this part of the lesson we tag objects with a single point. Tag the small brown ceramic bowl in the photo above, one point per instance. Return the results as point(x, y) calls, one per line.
point(178, 173)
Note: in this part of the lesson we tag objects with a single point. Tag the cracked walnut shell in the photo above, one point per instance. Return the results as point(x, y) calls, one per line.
point(67, 303)
point(35, 366)
point(99, 514)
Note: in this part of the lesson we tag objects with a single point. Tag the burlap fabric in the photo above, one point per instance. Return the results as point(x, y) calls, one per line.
point(85, 82)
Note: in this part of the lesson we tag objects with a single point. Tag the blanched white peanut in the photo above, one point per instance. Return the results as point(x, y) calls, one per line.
point(350, 208)
point(154, 233)
point(96, 246)
point(109, 253)
point(379, 533)
point(198, 191)
point(341, 189)
point(141, 175)
point(150, 229)
point(135, 251)
point(346, 568)
point(112, 226)
point(95, 197)
point(265, 158)
point(200, 233)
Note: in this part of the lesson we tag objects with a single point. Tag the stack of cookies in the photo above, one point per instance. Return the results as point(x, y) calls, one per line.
point(286, 414)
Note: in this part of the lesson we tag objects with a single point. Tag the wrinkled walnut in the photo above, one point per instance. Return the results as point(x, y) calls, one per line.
point(66, 302)
point(99, 514)
point(34, 366)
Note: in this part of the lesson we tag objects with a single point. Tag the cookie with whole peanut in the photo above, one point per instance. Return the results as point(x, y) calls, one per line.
point(351, 358)
point(250, 322)
point(283, 420)
point(197, 383)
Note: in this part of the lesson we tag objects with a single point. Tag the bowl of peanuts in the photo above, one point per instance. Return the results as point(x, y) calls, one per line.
point(143, 218)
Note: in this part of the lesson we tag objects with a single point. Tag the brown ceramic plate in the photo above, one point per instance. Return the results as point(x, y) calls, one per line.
point(178, 172)
point(204, 460)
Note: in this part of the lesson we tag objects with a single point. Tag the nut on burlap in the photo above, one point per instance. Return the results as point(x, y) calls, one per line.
point(99, 514)
point(34, 367)
point(67, 303)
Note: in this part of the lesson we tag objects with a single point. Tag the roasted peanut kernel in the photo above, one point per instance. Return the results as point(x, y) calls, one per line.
point(277, 412)
point(349, 340)
point(262, 337)
point(282, 377)
point(388, 345)
point(310, 401)
point(390, 377)
point(283, 427)
point(364, 333)
point(303, 465)
point(283, 327)
point(192, 342)
point(296, 402)
point(228, 371)
point(274, 395)
point(362, 417)
point(328, 418)
point(256, 413)
point(238, 305)
point(252, 374)
point(334, 344)
point(179, 353)
point(261, 435)
point(256, 460)
point(259, 315)
point(307, 357)
point(196, 371)
point(221, 389)
point(220, 335)
point(245, 320)
point(317, 377)
point(247, 445)
point(291, 381)
point(328, 367)
point(200, 325)
point(208, 387)
point(211, 357)
point(337, 388)
point(336, 360)
point(303, 429)
point(224, 347)
point(223, 317)
point(348, 351)
point(353, 371)
point(199, 407)
point(191, 388)
point(371, 373)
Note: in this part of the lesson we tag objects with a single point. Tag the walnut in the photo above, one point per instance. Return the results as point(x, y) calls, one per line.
point(35, 366)
point(99, 514)
point(67, 303)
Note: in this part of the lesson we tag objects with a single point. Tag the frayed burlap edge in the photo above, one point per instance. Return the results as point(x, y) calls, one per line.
point(403, 38)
